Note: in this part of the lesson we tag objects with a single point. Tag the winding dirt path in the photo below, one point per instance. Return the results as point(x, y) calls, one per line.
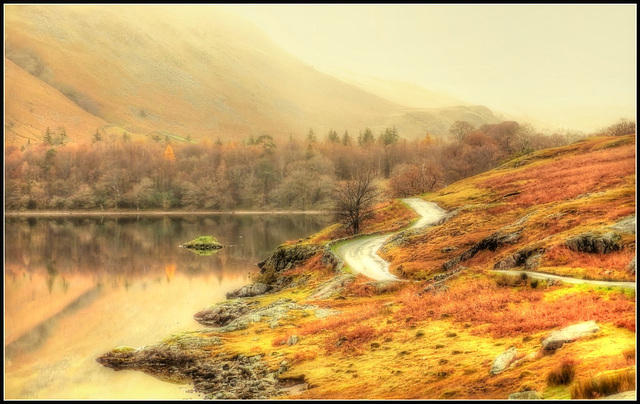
point(362, 254)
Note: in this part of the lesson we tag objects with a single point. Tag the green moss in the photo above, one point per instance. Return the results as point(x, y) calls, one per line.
point(557, 393)
point(203, 245)
point(123, 349)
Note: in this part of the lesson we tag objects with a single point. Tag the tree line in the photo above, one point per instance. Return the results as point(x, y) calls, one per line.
point(256, 173)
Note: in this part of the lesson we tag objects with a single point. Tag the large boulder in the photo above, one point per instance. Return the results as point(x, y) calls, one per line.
point(569, 334)
point(285, 257)
point(503, 360)
point(595, 243)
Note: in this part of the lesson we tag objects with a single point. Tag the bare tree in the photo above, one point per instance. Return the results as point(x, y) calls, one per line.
point(460, 129)
point(355, 199)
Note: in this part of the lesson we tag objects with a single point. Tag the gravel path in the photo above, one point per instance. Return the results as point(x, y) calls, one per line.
point(361, 254)
point(540, 275)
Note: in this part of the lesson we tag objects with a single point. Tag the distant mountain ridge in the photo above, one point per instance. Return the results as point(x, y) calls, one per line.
point(192, 72)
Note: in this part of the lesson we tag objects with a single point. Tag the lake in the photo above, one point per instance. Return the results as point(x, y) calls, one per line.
point(76, 287)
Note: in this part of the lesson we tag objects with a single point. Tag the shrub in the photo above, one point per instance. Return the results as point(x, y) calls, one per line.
point(605, 385)
point(563, 374)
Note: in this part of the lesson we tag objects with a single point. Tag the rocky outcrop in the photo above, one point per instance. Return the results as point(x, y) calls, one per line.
point(503, 360)
point(273, 312)
point(332, 286)
point(528, 257)
point(223, 313)
point(595, 243)
point(569, 334)
point(492, 243)
point(237, 377)
point(251, 290)
point(285, 257)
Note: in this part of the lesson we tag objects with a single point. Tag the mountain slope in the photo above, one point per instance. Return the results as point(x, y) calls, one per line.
point(400, 92)
point(192, 71)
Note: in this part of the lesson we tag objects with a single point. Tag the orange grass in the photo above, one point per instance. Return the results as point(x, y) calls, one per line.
point(605, 385)
point(506, 312)
point(560, 255)
point(313, 264)
point(566, 178)
point(388, 217)
point(332, 324)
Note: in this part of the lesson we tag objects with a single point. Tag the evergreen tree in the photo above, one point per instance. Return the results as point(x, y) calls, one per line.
point(48, 137)
point(311, 136)
point(346, 139)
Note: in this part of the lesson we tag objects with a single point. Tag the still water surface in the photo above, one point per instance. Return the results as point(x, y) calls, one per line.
point(77, 287)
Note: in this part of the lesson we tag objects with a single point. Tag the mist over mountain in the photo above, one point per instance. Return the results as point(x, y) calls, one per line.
point(186, 72)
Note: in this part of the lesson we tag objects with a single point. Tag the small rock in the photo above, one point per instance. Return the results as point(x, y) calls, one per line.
point(626, 395)
point(524, 395)
point(503, 360)
point(375, 345)
point(293, 339)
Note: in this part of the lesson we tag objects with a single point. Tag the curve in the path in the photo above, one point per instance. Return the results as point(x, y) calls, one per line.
point(361, 254)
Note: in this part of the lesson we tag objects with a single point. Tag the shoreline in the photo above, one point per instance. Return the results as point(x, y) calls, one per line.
point(164, 213)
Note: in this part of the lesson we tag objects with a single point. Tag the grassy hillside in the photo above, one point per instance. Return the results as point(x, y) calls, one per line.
point(437, 335)
point(190, 71)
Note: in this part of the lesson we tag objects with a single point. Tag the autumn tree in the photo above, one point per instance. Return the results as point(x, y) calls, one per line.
point(415, 179)
point(169, 155)
point(355, 199)
point(460, 129)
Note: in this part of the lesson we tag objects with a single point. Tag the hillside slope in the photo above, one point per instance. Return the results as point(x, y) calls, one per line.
point(454, 329)
point(191, 71)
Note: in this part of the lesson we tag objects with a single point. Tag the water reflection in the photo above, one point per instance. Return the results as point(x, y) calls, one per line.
point(77, 287)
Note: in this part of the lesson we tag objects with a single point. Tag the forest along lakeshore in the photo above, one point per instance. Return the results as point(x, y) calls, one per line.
point(218, 202)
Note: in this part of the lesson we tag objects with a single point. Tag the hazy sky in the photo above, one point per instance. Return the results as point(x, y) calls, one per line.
point(571, 65)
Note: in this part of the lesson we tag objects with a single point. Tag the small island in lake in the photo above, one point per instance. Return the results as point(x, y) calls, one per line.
point(203, 245)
